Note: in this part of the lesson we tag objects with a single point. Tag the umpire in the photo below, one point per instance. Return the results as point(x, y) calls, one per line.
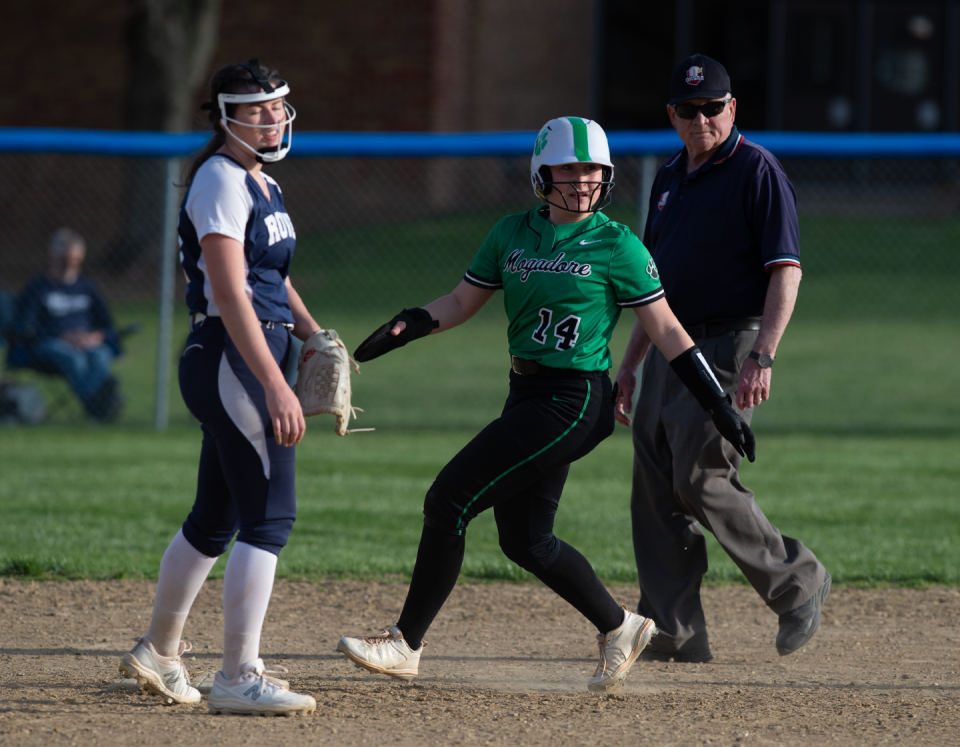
point(722, 228)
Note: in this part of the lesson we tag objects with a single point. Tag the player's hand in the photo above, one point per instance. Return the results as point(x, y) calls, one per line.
point(286, 415)
point(626, 385)
point(735, 429)
point(83, 339)
point(408, 325)
point(754, 384)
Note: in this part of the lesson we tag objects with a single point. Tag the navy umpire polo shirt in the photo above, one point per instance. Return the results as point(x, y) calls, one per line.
point(716, 234)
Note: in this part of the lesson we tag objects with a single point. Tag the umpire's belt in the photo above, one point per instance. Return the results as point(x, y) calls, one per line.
point(523, 367)
point(714, 327)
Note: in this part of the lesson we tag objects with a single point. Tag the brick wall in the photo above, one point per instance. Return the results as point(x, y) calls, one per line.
point(351, 66)
point(394, 65)
point(379, 65)
point(64, 64)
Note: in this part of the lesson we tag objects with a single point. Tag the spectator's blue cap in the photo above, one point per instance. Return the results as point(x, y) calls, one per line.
point(699, 77)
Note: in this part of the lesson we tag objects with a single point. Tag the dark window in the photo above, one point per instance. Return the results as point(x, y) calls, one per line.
point(818, 66)
point(907, 60)
point(736, 36)
point(639, 54)
point(637, 62)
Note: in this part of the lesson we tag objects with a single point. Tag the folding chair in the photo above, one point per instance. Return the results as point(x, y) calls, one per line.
point(21, 360)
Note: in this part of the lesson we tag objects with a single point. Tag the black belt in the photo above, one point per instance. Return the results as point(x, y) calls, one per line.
point(714, 327)
point(270, 325)
point(523, 367)
point(198, 318)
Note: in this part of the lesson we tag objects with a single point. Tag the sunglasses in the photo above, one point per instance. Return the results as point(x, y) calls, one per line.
point(710, 109)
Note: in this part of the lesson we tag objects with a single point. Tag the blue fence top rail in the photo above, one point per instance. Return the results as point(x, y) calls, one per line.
point(472, 144)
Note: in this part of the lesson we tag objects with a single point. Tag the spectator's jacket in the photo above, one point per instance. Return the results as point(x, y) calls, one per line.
point(49, 308)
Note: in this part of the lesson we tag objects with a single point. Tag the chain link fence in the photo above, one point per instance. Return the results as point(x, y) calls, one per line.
point(879, 237)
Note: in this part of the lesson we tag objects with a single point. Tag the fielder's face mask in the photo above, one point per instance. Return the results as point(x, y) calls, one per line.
point(269, 93)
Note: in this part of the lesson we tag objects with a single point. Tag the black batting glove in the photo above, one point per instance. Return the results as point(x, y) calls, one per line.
point(735, 429)
point(697, 376)
point(419, 324)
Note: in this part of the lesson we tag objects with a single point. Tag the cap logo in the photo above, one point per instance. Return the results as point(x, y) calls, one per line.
point(694, 75)
point(663, 200)
point(541, 143)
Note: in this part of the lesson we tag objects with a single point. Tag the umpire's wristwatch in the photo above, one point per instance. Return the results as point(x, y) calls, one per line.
point(764, 360)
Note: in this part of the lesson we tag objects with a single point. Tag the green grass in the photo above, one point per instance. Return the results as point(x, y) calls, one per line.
point(875, 268)
point(854, 268)
point(859, 451)
point(843, 377)
point(872, 346)
point(104, 504)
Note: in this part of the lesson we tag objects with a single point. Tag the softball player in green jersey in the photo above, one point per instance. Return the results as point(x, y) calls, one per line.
point(566, 271)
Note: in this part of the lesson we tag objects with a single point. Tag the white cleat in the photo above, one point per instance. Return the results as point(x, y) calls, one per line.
point(256, 693)
point(204, 680)
point(619, 649)
point(164, 675)
point(386, 653)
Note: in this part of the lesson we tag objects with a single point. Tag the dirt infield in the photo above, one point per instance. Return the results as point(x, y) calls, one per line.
point(506, 665)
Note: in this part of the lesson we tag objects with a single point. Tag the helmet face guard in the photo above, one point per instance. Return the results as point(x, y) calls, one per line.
point(269, 93)
point(543, 186)
point(571, 140)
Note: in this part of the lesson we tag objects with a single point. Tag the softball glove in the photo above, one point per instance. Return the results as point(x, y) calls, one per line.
point(323, 379)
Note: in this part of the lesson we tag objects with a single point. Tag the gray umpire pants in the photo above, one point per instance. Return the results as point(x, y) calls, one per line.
point(684, 480)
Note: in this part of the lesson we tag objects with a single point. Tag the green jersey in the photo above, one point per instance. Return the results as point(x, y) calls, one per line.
point(564, 286)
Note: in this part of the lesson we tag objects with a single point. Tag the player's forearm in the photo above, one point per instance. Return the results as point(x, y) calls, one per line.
point(447, 311)
point(457, 307)
point(663, 329)
point(637, 347)
point(304, 324)
point(227, 273)
point(778, 308)
point(244, 329)
point(686, 360)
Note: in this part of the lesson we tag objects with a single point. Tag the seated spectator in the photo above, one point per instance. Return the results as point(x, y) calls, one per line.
point(64, 326)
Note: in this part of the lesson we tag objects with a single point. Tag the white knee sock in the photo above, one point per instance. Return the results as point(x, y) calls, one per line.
point(247, 584)
point(182, 572)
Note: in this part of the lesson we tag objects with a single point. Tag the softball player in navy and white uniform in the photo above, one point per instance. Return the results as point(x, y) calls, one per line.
point(236, 244)
point(566, 271)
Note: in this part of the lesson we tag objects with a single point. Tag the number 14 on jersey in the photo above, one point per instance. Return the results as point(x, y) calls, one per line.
point(566, 331)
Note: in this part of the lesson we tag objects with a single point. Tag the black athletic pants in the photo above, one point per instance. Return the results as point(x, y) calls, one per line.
point(518, 465)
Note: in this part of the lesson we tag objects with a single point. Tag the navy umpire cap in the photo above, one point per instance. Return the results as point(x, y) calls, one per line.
point(699, 77)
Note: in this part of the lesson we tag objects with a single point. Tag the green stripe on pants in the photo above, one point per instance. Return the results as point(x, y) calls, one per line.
point(493, 482)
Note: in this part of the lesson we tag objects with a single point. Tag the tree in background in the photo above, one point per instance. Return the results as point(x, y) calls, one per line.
point(170, 44)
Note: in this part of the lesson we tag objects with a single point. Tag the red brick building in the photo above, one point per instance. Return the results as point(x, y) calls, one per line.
point(378, 65)
point(444, 65)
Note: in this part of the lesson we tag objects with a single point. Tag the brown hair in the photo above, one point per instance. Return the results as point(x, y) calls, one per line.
point(234, 78)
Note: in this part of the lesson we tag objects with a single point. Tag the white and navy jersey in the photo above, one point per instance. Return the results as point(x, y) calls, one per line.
point(223, 198)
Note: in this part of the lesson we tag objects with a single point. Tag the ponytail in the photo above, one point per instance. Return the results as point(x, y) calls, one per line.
point(213, 145)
